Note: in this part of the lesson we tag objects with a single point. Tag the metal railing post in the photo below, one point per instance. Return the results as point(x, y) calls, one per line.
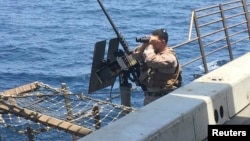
point(191, 26)
point(30, 133)
point(245, 8)
point(67, 102)
point(226, 32)
point(200, 43)
point(96, 115)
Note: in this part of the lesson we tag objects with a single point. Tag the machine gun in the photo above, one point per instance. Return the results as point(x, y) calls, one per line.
point(118, 62)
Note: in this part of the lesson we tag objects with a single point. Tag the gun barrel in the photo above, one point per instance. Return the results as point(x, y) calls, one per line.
point(120, 37)
point(134, 64)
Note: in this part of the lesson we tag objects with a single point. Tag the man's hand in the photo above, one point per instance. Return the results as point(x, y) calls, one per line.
point(149, 50)
point(149, 47)
point(153, 39)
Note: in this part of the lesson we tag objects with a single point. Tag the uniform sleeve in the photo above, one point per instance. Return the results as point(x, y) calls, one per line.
point(138, 52)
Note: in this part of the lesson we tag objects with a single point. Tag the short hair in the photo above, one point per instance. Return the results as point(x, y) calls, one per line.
point(161, 33)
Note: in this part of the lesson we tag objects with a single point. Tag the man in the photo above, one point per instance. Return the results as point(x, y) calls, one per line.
point(160, 71)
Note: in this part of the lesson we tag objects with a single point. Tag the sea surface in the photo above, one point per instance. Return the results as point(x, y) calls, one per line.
point(52, 41)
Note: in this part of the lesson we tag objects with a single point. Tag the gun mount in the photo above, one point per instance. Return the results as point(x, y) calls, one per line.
point(118, 62)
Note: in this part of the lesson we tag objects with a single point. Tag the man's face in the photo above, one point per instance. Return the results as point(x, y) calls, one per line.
point(157, 43)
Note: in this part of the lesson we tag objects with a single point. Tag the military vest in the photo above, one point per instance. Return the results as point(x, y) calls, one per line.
point(152, 78)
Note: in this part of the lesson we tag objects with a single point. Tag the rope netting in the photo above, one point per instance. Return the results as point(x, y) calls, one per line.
point(37, 111)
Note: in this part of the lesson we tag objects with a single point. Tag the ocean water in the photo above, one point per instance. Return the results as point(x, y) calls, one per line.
point(53, 41)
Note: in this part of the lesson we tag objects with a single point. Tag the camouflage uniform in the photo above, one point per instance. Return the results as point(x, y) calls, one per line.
point(160, 72)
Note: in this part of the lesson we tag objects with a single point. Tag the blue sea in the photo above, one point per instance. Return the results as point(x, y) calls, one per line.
point(52, 41)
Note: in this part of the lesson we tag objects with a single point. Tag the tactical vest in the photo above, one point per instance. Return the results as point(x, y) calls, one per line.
point(152, 78)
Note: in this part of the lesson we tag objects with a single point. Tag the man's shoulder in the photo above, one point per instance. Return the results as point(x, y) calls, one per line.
point(169, 51)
